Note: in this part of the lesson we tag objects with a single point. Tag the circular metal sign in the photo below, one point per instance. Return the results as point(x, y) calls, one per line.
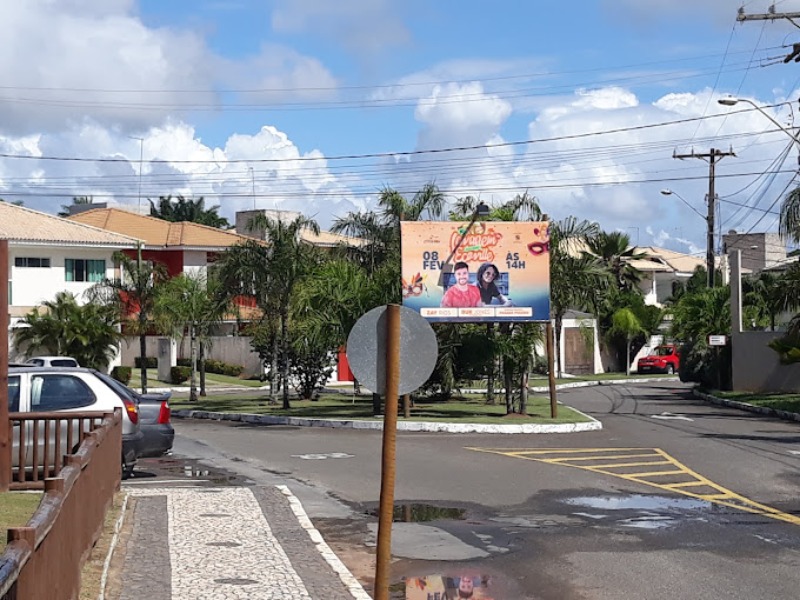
point(366, 350)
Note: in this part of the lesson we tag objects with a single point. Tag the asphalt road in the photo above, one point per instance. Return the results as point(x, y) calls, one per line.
point(673, 498)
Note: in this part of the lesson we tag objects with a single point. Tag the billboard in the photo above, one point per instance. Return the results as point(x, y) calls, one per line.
point(476, 272)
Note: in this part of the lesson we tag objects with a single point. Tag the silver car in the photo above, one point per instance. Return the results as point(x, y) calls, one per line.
point(54, 389)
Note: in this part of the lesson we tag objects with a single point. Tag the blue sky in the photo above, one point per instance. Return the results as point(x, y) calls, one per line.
point(316, 106)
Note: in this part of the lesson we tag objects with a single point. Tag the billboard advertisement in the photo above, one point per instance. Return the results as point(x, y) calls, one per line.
point(476, 272)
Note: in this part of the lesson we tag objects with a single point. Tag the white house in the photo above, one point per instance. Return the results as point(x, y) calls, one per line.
point(48, 254)
point(661, 269)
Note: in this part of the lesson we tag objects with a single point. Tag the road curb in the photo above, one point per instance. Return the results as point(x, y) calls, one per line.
point(425, 426)
point(761, 410)
point(328, 555)
point(414, 426)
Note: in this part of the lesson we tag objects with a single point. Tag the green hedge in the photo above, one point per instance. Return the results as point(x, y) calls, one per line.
point(215, 366)
point(180, 374)
point(151, 362)
point(122, 374)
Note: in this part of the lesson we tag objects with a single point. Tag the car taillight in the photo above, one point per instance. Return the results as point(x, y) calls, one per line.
point(164, 414)
point(131, 409)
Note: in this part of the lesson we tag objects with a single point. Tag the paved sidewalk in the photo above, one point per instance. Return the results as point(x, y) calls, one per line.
point(194, 543)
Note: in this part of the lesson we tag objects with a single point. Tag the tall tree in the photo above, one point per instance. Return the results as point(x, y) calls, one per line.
point(134, 295)
point(186, 209)
point(614, 250)
point(628, 326)
point(62, 327)
point(270, 272)
point(789, 221)
point(190, 303)
point(577, 279)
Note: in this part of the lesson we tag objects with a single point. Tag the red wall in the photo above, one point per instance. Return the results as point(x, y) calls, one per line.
point(171, 259)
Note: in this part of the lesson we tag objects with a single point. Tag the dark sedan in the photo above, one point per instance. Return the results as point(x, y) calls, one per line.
point(154, 419)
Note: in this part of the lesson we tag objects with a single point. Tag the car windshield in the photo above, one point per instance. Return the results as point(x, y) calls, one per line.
point(664, 351)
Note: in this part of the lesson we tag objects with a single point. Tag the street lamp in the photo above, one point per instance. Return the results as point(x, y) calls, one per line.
point(141, 161)
point(733, 101)
point(709, 236)
point(481, 210)
point(668, 192)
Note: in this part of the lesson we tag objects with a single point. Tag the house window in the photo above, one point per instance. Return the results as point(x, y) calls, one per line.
point(30, 262)
point(79, 269)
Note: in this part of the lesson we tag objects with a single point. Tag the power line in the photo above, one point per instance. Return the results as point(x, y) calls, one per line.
point(575, 136)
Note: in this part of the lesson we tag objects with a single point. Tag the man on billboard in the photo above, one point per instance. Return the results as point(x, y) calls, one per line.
point(462, 294)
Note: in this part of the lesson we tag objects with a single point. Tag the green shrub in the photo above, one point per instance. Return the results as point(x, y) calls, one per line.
point(180, 374)
point(222, 368)
point(214, 366)
point(122, 374)
point(151, 362)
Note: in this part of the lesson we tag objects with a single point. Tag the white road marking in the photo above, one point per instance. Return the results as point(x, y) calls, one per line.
point(322, 456)
point(672, 417)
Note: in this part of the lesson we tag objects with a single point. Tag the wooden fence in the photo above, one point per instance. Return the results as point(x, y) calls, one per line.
point(44, 558)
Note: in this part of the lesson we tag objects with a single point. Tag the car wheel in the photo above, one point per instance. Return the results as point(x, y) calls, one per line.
point(670, 369)
point(127, 470)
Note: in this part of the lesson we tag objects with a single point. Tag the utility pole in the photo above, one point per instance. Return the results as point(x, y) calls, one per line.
point(712, 157)
point(771, 15)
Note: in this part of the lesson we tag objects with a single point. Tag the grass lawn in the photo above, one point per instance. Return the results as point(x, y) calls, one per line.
point(15, 510)
point(212, 379)
point(470, 409)
point(787, 402)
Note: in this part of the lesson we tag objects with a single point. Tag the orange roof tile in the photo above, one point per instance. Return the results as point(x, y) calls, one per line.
point(23, 225)
point(157, 232)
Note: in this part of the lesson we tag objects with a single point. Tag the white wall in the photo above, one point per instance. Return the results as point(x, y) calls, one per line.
point(32, 286)
point(232, 350)
point(195, 261)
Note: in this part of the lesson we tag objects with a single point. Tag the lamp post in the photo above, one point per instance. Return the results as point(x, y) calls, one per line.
point(710, 267)
point(733, 101)
point(141, 160)
point(481, 210)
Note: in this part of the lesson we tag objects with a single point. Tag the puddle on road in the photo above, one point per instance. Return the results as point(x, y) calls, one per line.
point(170, 467)
point(651, 509)
point(638, 502)
point(423, 513)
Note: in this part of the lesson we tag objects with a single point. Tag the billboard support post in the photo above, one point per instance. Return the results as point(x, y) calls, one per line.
point(551, 372)
point(386, 510)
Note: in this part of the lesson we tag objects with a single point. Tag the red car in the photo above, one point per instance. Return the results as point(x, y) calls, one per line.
point(664, 359)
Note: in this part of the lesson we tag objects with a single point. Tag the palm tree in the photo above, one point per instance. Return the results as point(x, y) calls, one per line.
point(769, 295)
point(134, 296)
point(270, 272)
point(190, 302)
point(186, 209)
point(88, 332)
point(522, 207)
point(789, 222)
point(379, 231)
point(615, 251)
point(577, 279)
point(626, 324)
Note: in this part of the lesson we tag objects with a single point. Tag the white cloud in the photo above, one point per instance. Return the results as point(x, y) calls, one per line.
point(459, 115)
point(76, 58)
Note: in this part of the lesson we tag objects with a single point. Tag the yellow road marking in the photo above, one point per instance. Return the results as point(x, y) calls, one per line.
point(579, 458)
